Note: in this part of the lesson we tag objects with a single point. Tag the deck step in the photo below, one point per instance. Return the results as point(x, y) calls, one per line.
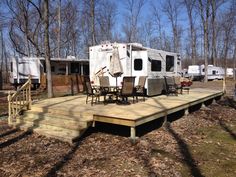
point(63, 127)
point(39, 114)
point(63, 113)
point(66, 124)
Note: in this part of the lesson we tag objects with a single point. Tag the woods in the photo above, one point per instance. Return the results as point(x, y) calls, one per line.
point(202, 31)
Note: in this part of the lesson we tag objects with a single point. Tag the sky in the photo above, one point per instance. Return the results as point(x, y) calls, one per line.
point(146, 14)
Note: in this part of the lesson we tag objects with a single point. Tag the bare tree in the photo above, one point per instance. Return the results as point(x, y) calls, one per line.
point(204, 9)
point(213, 23)
point(234, 60)
point(228, 27)
point(172, 10)
point(59, 30)
point(24, 27)
point(47, 47)
point(190, 8)
point(131, 28)
point(106, 15)
point(158, 25)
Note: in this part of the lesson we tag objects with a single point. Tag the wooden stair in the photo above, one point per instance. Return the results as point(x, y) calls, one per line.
point(57, 123)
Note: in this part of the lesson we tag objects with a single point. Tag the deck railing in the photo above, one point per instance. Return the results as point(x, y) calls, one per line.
point(19, 101)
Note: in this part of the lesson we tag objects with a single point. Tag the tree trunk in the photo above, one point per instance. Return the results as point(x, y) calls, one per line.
point(234, 58)
point(92, 15)
point(47, 49)
point(213, 23)
point(226, 48)
point(206, 50)
point(59, 31)
point(204, 13)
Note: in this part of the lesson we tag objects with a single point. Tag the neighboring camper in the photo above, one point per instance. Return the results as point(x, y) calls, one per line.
point(214, 72)
point(230, 72)
point(136, 60)
point(21, 68)
point(194, 71)
point(197, 72)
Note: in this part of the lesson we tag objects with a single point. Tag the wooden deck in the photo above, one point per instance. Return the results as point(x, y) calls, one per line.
point(73, 108)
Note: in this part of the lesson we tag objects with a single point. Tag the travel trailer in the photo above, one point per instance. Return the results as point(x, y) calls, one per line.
point(194, 71)
point(197, 72)
point(136, 60)
point(214, 72)
point(230, 72)
point(21, 68)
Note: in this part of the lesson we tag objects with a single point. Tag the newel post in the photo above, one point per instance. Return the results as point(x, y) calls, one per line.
point(29, 96)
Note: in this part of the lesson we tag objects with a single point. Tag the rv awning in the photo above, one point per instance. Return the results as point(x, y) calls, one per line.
point(136, 47)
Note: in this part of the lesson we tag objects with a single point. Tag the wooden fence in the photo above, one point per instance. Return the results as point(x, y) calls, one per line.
point(65, 83)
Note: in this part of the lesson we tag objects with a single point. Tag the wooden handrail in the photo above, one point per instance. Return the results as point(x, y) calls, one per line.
point(19, 101)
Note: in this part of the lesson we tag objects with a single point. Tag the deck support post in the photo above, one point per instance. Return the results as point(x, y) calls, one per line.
point(133, 134)
point(186, 112)
point(214, 101)
point(93, 124)
point(203, 105)
point(165, 120)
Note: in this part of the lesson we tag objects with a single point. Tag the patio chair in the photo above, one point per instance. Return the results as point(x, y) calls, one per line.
point(105, 88)
point(104, 84)
point(140, 88)
point(171, 87)
point(91, 91)
point(178, 85)
point(185, 84)
point(127, 89)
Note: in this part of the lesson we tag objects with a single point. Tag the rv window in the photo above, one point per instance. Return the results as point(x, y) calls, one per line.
point(214, 72)
point(52, 68)
point(138, 64)
point(11, 67)
point(169, 63)
point(75, 67)
point(156, 65)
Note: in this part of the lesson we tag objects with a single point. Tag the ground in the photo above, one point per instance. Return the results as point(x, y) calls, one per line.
point(199, 144)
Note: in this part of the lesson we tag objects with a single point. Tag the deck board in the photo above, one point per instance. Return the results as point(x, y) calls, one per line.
point(129, 115)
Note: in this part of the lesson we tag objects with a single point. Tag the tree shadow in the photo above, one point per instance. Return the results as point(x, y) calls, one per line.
point(15, 139)
point(8, 132)
point(188, 159)
point(67, 157)
point(227, 129)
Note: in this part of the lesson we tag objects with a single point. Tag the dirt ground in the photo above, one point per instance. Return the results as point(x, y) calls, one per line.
point(202, 143)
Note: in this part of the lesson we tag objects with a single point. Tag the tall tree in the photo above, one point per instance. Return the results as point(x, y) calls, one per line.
point(59, 30)
point(47, 48)
point(106, 14)
point(92, 15)
point(204, 9)
point(131, 26)
point(190, 9)
point(228, 27)
point(213, 24)
point(172, 10)
point(158, 25)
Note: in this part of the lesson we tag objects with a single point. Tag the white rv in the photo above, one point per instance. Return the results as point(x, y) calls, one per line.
point(214, 72)
point(230, 72)
point(21, 68)
point(197, 72)
point(194, 71)
point(136, 60)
